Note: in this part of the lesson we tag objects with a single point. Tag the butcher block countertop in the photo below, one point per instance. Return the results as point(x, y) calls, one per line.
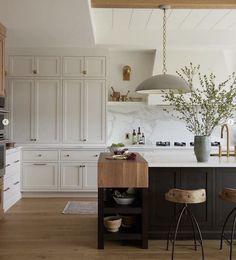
point(122, 173)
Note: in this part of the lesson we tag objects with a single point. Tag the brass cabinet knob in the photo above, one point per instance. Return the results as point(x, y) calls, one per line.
point(67, 155)
point(34, 71)
point(84, 72)
point(39, 155)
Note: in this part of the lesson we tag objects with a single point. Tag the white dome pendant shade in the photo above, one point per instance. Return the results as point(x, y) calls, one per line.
point(163, 82)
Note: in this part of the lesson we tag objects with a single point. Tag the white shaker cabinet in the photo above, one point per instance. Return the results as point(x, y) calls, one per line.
point(22, 125)
point(90, 176)
point(79, 176)
point(39, 66)
point(35, 110)
point(84, 104)
point(39, 176)
point(71, 177)
point(84, 66)
point(47, 98)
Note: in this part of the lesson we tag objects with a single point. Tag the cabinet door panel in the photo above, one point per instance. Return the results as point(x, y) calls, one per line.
point(21, 66)
point(94, 111)
point(22, 127)
point(39, 176)
point(48, 66)
point(47, 110)
point(225, 178)
point(90, 176)
point(73, 66)
point(72, 111)
point(161, 211)
point(71, 177)
point(200, 178)
point(95, 67)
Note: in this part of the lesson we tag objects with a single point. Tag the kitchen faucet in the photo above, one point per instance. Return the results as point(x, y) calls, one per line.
point(227, 136)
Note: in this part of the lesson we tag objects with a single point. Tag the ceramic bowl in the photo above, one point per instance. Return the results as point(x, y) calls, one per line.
point(124, 201)
point(112, 223)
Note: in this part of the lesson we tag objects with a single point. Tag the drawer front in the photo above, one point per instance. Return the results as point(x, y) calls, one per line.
point(12, 158)
point(39, 176)
point(12, 169)
point(69, 155)
point(40, 155)
point(11, 182)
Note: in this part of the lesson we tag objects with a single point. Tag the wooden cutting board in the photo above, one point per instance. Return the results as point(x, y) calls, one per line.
point(122, 173)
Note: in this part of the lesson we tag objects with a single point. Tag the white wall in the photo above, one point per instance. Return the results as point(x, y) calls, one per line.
point(157, 124)
point(141, 63)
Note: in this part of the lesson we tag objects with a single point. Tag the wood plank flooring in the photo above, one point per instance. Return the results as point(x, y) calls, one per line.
point(35, 229)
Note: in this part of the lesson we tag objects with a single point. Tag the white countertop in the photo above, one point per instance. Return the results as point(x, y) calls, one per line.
point(185, 159)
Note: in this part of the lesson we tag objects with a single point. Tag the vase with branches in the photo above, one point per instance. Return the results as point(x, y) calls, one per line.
point(205, 107)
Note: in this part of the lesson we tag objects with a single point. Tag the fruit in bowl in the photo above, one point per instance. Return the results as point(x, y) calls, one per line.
point(118, 149)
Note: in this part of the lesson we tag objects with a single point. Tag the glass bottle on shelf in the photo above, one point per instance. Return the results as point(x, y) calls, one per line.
point(134, 137)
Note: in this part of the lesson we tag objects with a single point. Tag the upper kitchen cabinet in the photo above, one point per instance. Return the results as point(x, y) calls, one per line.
point(30, 66)
point(84, 67)
point(34, 108)
point(84, 113)
point(2, 59)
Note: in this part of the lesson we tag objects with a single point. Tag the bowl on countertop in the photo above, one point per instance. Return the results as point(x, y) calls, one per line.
point(112, 223)
point(124, 201)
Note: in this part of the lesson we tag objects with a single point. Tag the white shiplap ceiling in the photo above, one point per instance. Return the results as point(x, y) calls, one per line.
point(142, 27)
point(73, 23)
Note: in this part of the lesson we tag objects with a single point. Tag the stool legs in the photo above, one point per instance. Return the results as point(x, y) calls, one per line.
point(230, 242)
point(194, 224)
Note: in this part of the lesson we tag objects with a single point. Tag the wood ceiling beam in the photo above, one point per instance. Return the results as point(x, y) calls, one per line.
point(175, 4)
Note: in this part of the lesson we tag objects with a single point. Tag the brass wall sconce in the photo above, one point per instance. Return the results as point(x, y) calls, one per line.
point(126, 72)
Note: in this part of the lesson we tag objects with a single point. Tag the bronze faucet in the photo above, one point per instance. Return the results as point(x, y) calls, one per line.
point(227, 136)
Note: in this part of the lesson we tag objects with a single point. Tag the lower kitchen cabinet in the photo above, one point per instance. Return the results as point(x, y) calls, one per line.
point(90, 176)
point(79, 176)
point(11, 182)
point(40, 176)
point(71, 177)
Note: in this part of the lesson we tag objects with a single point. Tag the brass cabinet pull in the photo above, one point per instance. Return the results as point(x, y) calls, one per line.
point(34, 71)
point(67, 155)
point(16, 183)
point(39, 164)
point(84, 140)
point(7, 165)
point(16, 161)
point(40, 155)
point(6, 189)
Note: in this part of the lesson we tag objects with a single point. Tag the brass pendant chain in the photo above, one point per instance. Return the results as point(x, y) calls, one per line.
point(164, 70)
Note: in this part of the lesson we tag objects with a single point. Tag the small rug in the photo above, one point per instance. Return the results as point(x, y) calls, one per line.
point(81, 207)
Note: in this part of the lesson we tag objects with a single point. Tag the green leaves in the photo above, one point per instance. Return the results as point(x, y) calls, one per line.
point(205, 107)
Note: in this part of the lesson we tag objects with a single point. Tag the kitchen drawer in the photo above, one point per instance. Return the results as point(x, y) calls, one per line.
point(70, 155)
point(40, 155)
point(12, 158)
point(11, 181)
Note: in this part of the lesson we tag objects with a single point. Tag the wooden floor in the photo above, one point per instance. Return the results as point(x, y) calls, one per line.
point(36, 229)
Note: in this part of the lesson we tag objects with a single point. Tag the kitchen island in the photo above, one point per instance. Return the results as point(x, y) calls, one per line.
point(179, 169)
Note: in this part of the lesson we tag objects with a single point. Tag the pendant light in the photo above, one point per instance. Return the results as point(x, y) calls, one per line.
point(163, 82)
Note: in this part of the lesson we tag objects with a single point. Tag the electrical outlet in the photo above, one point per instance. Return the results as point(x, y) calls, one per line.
point(127, 135)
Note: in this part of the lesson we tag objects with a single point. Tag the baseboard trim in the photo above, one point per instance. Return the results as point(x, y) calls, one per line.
point(59, 194)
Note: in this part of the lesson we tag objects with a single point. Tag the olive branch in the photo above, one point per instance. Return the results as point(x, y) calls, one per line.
point(204, 107)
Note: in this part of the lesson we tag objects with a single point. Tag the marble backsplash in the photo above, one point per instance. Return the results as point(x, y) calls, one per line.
point(156, 124)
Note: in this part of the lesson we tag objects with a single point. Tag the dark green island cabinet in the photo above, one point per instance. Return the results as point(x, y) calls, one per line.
point(210, 215)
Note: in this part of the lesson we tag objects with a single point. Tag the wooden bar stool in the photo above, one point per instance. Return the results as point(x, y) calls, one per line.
point(185, 197)
point(228, 195)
